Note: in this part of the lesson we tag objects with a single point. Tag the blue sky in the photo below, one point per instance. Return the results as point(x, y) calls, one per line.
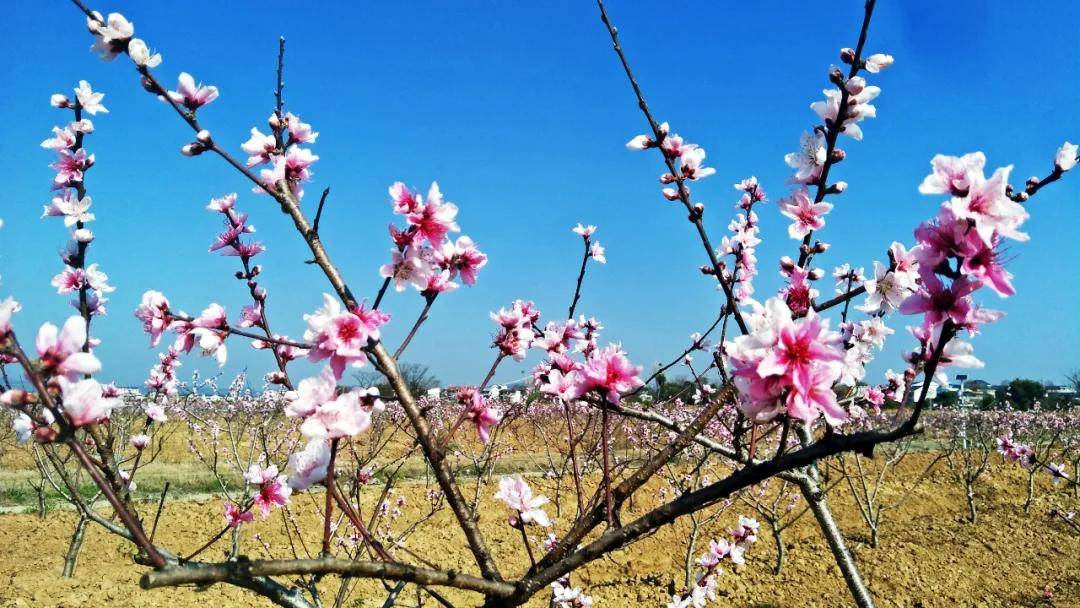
point(520, 111)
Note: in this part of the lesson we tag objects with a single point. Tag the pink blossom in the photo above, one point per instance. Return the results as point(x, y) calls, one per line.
point(60, 351)
point(584, 231)
point(808, 215)
point(190, 95)
point(141, 55)
point(272, 489)
point(209, 331)
point(987, 205)
point(70, 166)
point(88, 99)
point(69, 280)
point(340, 417)
point(515, 328)
point(1066, 157)
point(434, 219)
point(858, 108)
point(799, 293)
point(404, 200)
point(940, 302)
point(479, 411)
point(299, 132)
point(954, 175)
point(984, 263)
point(800, 348)
point(874, 395)
point(73, 209)
point(610, 373)
point(259, 148)
point(340, 335)
point(439, 282)
point(234, 516)
point(876, 63)
point(8, 307)
point(405, 268)
point(310, 465)
point(519, 496)
point(885, 292)
point(809, 159)
point(818, 396)
point(155, 412)
point(111, 35)
point(61, 139)
point(140, 441)
point(693, 166)
point(154, 313)
point(461, 258)
point(83, 401)
point(596, 252)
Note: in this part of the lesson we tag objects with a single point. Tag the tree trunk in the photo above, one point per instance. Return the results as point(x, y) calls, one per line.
point(1030, 490)
point(973, 515)
point(74, 546)
point(811, 491)
point(778, 536)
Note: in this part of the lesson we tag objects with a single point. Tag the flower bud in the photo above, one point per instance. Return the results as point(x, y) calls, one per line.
point(815, 274)
point(193, 149)
point(667, 178)
point(84, 235)
point(45, 434)
point(787, 265)
point(707, 270)
point(820, 247)
point(847, 55)
point(664, 128)
point(1033, 181)
point(836, 76)
point(203, 136)
point(1023, 197)
point(838, 155)
point(839, 187)
point(59, 101)
point(274, 121)
point(855, 85)
point(670, 194)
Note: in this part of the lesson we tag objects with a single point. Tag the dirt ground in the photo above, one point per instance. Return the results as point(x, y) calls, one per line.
point(928, 556)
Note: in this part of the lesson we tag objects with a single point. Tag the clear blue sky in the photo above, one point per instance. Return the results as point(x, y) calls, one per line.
point(520, 111)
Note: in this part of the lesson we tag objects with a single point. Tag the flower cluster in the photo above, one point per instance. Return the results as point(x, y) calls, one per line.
point(787, 365)
point(71, 203)
point(271, 488)
point(689, 159)
point(517, 494)
point(517, 327)
point(704, 589)
point(479, 410)
point(744, 239)
point(565, 596)
point(329, 413)
point(423, 255)
point(289, 164)
point(959, 252)
point(342, 335)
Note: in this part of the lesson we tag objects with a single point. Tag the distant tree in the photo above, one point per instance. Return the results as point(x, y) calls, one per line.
point(1022, 393)
point(417, 376)
point(1073, 380)
point(947, 399)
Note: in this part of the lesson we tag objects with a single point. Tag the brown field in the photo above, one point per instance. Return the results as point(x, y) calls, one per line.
point(927, 557)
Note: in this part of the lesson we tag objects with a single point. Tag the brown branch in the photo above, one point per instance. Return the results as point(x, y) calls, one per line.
point(205, 573)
